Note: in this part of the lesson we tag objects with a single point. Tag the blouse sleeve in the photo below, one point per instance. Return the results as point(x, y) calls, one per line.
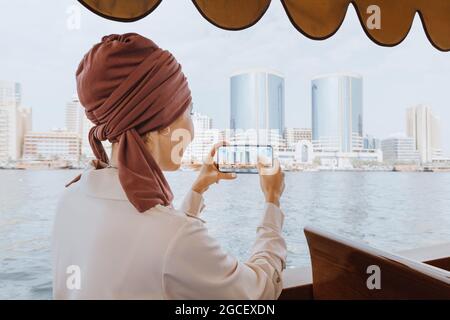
point(196, 267)
point(193, 204)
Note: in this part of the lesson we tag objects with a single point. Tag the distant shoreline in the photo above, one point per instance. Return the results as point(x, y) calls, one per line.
point(285, 170)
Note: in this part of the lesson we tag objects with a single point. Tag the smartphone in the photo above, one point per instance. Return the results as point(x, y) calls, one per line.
point(243, 158)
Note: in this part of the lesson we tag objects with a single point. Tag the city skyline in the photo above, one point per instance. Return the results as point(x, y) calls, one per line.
point(256, 97)
point(73, 109)
point(394, 77)
point(84, 126)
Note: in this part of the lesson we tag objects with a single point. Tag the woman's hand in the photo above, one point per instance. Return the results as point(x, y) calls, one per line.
point(209, 173)
point(272, 182)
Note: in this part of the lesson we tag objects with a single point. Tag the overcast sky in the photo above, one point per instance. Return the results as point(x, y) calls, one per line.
point(39, 51)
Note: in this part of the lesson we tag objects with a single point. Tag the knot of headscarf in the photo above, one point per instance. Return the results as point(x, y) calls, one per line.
point(128, 87)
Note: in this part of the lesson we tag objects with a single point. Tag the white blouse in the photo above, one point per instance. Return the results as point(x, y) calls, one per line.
point(103, 248)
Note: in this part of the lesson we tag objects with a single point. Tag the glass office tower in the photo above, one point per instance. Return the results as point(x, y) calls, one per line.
point(257, 101)
point(337, 113)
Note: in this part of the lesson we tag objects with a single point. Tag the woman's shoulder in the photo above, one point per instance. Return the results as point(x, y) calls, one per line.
point(99, 192)
point(177, 215)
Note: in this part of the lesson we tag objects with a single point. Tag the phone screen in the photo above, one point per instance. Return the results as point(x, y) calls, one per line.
point(243, 158)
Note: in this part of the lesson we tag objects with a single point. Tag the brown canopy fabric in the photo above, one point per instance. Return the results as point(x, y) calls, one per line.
point(316, 19)
point(121, 10)
point(320, 19)
point(232, 14)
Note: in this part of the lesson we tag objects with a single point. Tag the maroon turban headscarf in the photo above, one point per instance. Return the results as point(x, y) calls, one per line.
point(128, 87)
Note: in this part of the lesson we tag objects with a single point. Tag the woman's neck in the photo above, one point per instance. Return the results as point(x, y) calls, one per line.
point(113, 160)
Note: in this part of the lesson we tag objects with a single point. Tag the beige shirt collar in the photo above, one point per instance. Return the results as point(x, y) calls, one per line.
point(105, 184)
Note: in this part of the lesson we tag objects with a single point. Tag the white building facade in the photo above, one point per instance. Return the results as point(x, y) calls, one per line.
point(15, 121)
point(294, 135)
point(77, 122)
point(10, 93)
point(204, 138)
point(400, 149)
point(51, 146)
point(424, 127)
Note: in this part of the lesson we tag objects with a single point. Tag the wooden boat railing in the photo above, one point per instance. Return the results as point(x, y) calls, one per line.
point(339, 271)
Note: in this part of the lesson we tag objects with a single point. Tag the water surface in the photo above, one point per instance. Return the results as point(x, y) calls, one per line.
point(392, 211)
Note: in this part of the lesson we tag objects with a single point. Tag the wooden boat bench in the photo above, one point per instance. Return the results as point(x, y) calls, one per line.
point(345, 269)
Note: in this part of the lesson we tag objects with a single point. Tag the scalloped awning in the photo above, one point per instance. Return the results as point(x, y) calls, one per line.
point(316, 19)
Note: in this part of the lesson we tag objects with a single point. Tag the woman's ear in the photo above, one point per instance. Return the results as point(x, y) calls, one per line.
point(146, 137)
point(165, 131)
